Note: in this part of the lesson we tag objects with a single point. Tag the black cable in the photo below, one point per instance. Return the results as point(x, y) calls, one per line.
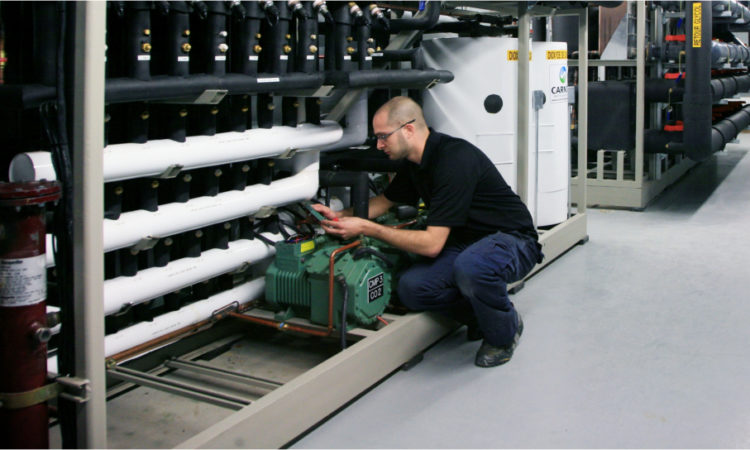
point(344, 306)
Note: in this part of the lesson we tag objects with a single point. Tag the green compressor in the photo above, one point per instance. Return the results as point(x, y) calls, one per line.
point(298, 281)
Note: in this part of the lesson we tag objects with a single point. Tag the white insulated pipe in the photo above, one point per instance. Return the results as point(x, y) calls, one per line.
point(153, 282)
point(154, 158)
point(185, 316)
point(174, 218)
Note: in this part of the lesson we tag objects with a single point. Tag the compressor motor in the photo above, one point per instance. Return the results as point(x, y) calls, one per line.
point(297, 282)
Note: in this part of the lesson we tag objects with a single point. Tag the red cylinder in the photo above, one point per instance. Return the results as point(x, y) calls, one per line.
point(23, 318)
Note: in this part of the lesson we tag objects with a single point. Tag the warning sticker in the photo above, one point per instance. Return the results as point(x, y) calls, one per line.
point(513, 55)
point(23, 281)
point(697, 25)
point(557, 54)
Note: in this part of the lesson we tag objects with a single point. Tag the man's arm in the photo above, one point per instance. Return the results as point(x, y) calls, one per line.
point(377, 206)
point(429, 242)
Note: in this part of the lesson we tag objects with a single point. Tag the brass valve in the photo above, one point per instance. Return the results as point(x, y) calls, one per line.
point(288, 36)
point(154, 184)
point(287, 49)
point(147, 32)
point(118, 190)
point(350, 50)
point(186, 33)
point(370, 50)
point(183, 113)
point(187, 178)
point(145, 115)
point(223, 48)
point(258, 35)
point(186, 47)
point(271, 106)
point(244, 109)
point(146, 47)
point(313, 48)
point(349, 39)
point(257, 48)
point(218, 173)
point(214, 111)
point(313, 36)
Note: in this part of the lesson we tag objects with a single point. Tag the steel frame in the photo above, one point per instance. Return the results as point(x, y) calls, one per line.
point(277, 418)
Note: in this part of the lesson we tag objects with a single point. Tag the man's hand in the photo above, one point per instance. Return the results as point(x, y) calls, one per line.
point(345, 227)
point(327, 212)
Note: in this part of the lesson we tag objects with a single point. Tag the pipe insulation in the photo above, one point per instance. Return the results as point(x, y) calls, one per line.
point(153, 158)
point(355, 132)
point(175, 218)
point(183, 317)
point(150, 283)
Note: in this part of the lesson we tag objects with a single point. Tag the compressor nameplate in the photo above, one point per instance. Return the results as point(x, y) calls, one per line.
point(375, 287)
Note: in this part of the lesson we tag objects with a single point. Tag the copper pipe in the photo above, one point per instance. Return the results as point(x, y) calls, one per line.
point(281, 325)
point(148, 345)
point(331, 263)
point(405, 224)
point(125, 354)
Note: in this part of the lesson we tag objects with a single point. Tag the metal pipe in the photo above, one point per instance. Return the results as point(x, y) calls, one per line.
point(640, 102)
point(583, 107)
point(154, 158)
point(88, 202)
point(133, 340)
point(696, 142)
point(174, 218)
point(150, 283)
point(524, 103)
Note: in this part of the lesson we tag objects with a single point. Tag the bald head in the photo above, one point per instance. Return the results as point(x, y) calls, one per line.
point(400, 110)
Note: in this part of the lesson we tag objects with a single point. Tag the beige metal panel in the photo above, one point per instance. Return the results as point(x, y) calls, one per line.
point(88, 207)
point(288, 411)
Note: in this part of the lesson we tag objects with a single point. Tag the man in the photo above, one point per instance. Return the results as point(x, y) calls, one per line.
point(479, 234)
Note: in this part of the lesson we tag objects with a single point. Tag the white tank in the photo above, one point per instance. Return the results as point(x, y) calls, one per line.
point(487, 67)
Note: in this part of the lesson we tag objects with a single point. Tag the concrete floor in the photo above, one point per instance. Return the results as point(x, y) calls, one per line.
point(639, 338)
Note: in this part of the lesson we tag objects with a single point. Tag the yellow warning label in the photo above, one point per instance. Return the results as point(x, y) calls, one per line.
point(307, 246)
point(513, 55)
point(697, 24)
point(557, 54)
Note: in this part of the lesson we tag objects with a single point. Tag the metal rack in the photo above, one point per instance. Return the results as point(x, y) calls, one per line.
point(339, 378)
point(608, 181)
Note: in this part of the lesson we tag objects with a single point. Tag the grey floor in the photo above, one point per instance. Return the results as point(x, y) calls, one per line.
point(639, 338)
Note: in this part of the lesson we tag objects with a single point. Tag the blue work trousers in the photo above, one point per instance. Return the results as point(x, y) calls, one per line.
point(469, 283)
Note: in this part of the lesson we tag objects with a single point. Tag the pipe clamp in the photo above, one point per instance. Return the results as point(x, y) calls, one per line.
point(18, 400)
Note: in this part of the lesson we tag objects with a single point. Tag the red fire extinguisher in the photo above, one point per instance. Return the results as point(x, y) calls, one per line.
point(23, 321)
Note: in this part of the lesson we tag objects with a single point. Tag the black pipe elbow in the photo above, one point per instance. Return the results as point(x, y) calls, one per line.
point(357, 181)
point(421, 21)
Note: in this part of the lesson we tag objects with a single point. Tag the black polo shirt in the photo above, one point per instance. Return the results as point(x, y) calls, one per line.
point(462, 189)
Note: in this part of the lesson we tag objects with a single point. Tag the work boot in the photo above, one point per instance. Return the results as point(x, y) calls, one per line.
point(490, 356)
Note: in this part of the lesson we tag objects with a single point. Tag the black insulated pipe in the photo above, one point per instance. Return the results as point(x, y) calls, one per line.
point(340, 48)
point(245, 44)
point(362, 35)
point(423, 20)
point(137, 62)
point(46, 33)
point(306, 55)
point(696, 143)
point(170, 36)
point(210, 46)
point(721, 133)
point(357, 181)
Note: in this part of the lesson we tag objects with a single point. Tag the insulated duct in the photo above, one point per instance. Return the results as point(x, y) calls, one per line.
point(150, 283)
point(696, 141)
point(187, 315)
point(174, 218)
point(153, 158)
